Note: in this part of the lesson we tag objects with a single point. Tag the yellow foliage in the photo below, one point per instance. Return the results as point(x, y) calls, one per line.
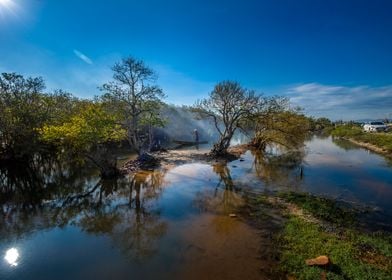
point(91, 126)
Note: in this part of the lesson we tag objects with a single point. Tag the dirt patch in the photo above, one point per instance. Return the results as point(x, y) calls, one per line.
point(369, 255)
point(168, 159)
point(293, 209)
point(143, 162)
point(239, 150)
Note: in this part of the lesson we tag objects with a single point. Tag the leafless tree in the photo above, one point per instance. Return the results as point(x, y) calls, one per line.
point(229, 105)
point(132, 92)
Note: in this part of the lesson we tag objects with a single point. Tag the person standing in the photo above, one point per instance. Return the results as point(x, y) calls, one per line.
point(196, 133)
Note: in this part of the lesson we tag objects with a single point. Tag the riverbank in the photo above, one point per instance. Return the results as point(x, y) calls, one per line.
point(312, 226)
point(377, 142)
point(370, 147)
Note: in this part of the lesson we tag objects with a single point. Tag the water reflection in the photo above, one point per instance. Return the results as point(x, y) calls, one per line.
point(224, 197)
point(122, 209)
point(344, 144)
point(229, 195)
point(29, 183)
point(141, 224)
point(285, 170)
point(12, 256)
point(349, 146)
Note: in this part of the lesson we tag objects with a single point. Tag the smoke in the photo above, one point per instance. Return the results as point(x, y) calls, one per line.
point(180, 125)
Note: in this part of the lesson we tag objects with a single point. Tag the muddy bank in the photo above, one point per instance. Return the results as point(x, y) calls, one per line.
point(168, 159)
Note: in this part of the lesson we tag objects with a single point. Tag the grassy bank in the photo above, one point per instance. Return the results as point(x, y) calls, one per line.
point(353, 255)
point(382, 141)
point(318, 226)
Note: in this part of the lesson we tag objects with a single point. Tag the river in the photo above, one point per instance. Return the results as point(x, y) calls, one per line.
point(175, 223)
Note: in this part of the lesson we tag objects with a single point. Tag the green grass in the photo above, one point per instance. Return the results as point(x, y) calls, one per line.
point(322, 208)
point(353, 255)
point(382, 140)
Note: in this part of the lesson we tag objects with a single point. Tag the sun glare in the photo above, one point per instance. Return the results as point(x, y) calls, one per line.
point(12, 255)
point(6, 3)
point(8, 7)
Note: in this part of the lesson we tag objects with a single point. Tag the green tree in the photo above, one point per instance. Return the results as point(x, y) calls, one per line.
point(278, 124)
point(88, 132)
point(135, 96)
point(151, 119)
point(321, 124)
point(23, 109)
point(62, 105)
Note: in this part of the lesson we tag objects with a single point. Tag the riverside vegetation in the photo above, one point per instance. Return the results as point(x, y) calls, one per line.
point(45, 131)
point(380, 140)
point(38, 124)
point(316, 226)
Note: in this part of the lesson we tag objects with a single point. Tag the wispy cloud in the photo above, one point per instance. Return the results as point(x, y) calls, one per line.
point(343, 102)
point(83, 57)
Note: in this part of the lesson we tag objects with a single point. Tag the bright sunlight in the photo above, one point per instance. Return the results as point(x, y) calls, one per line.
point(7, 7)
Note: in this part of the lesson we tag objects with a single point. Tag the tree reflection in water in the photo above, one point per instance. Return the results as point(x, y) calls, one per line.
point(349, 146)
point(225, 197)
point(283, 170)
point(344, 144)
point(58, 196)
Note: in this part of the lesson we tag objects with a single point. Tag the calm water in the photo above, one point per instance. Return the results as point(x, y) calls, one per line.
point(174, 224)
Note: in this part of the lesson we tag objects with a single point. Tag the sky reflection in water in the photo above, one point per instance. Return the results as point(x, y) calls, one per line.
point(156, 224)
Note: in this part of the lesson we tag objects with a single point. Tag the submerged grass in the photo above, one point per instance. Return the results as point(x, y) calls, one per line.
point(322, 208)
point(353, 254)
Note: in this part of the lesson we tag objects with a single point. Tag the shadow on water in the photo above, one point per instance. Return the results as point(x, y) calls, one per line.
point(131, 225)
point(46, 198)
point(85, 213)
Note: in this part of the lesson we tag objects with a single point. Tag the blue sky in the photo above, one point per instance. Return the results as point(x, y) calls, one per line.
point(334, 58)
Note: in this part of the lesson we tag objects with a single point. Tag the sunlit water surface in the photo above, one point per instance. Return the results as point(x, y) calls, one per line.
point(175, 224)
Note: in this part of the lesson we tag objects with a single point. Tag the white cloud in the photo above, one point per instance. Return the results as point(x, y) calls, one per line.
point(343, 102)
point(83, 57)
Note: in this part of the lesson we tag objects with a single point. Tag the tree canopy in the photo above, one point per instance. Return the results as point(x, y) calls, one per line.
point(87, 132)
point(135, 96)
point(286, 128)
point(91, 126)
point(24, 109)
point(229, 105)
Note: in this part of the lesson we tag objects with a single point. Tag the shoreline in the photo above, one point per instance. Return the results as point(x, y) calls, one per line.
point(171, 158)
point(370, 147)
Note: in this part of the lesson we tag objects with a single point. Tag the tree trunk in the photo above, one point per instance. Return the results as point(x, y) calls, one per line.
point(133, 137)
point(220, 148)
point(105, 161)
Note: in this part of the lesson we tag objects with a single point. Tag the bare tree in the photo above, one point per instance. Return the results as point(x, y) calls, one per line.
point(132, 92)
point(229, 105)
